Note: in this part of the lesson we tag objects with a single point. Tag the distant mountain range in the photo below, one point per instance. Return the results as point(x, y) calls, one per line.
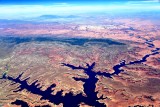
point(56, 16)
point(35, 19)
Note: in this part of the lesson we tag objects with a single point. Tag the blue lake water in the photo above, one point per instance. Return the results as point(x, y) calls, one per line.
point(21, 103)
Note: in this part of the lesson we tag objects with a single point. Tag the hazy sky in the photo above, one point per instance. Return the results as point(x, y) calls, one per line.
point(62, 1)
point(15, 9)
